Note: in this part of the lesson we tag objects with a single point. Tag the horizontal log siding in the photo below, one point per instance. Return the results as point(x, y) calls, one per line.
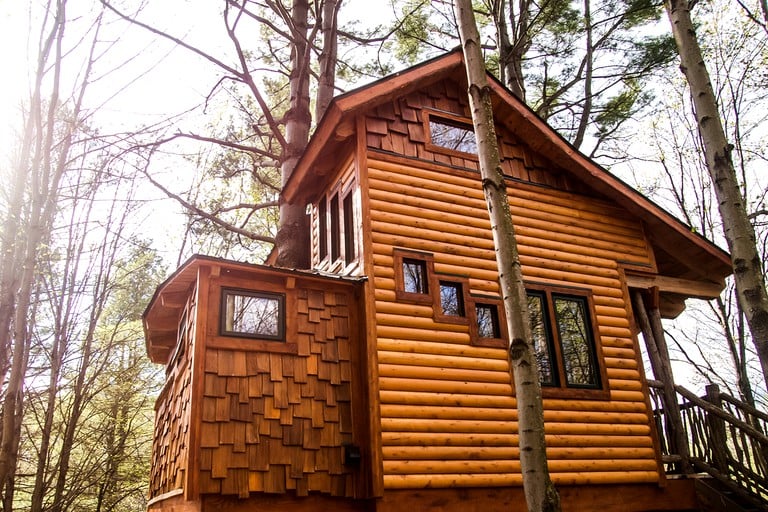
point(448, 413)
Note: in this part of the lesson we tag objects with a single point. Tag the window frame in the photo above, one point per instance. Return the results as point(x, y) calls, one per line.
point(460, 282)
point(474, 330)
point(337, 224)
point(450, 119)
point(280, 337)
point(400, 256)
point(561, 388)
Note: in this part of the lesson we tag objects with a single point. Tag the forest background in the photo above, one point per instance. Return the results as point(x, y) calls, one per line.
point(134, 134)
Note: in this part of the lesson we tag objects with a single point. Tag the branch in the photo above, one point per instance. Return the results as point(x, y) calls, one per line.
point(219, 222)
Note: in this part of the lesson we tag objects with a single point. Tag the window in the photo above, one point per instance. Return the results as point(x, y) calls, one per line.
point(415, 276)
point(413, 271)
point(322, 227)
point(487, 321)
point(450, 131)
point(349, 228)
point(488, 326)
point(451, 299)
point(335, 229)
point(564, 339)
point(452, 135)
point(252, 314)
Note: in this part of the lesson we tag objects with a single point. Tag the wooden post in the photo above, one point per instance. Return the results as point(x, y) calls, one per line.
point(650, 325)
point(717, 434)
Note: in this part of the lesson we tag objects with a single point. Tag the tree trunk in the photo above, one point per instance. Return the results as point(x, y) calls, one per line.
point(540, 493)
point(326, 81)
point(292, 240)
point(739, 232)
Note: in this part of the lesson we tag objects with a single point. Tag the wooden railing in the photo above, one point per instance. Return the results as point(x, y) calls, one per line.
point(726, 439)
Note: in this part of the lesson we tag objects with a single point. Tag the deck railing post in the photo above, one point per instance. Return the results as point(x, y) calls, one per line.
point(717, 432)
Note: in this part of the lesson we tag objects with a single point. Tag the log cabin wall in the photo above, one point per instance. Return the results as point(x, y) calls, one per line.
point(170, 446)
point(448, 415)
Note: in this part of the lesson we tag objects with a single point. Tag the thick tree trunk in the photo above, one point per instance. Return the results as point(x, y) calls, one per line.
point(739, 232)
point(540, 493)
point(293, 236)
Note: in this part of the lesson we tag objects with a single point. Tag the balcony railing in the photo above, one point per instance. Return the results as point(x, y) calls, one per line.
point(726, 438)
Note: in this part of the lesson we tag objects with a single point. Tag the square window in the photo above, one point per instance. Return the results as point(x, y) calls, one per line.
point(253, 314)
point(487, 321)
point(451, 299)
point(415, 276)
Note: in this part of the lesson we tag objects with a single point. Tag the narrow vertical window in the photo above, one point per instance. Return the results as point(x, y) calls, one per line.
point(575, 341)
point(335, 228)
point(415, 276)
point(349, 228)
point(541, 339)
point(322, 229)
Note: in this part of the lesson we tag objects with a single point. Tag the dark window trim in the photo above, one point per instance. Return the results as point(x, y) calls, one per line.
point(399, 256)
point(280, 297)
point(451, 119)
point(601, 391)
point(476, 339)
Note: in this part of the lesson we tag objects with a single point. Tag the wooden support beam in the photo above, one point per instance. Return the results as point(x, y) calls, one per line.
point(687, 287)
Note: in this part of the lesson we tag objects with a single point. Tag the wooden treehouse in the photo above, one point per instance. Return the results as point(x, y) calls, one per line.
point(378, 379)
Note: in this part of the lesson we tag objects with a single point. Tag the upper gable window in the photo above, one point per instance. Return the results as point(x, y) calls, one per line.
point(450, 132)
point(251, 314)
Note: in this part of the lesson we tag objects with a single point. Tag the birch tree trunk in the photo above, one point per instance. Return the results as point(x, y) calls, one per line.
point(739, 232)
point(540, 493)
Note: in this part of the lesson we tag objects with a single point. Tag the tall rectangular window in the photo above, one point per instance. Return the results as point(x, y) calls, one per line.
point(335, 228)
point(349, 228)
point(322, 228)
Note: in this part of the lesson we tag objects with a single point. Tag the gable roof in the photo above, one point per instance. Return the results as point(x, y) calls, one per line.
point(680, 252)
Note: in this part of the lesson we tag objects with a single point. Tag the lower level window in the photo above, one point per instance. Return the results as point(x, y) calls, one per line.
point(564, 340)
point(253, 314)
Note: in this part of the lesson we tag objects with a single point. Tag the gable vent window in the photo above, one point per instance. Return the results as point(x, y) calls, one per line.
point(449, 133)
point(251, 314)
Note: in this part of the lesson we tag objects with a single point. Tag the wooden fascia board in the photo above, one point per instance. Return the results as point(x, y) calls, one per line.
point(559, 150)
point(338, 121)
